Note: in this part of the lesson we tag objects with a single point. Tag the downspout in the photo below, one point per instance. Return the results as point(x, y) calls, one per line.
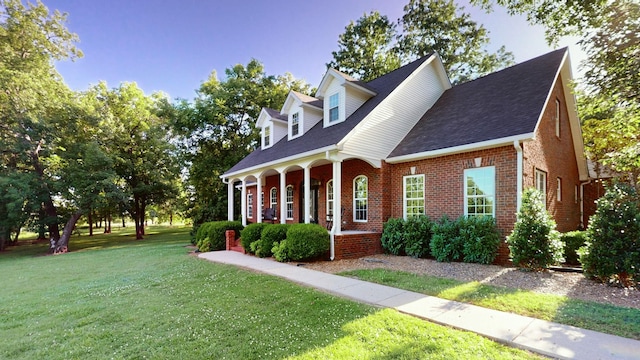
point(519, 174)
point(332, 233)
point(582, 184)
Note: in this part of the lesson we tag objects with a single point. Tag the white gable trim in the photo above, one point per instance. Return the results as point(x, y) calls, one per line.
point(460, 149)
point(333, 73)
point(264, 116)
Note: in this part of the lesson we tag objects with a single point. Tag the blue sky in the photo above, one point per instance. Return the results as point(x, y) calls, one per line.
point(173, 46)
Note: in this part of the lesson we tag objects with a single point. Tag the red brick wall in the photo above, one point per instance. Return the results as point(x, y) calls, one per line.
point(444, 186)
point(555, 156)
point(350, 170)
point(355, 246)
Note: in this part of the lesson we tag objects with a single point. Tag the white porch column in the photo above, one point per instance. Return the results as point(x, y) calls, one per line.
point(230, 200)
point(243, 203)
point(259, 200)
point(337, 197)
point(307, 194)
point(283, 198)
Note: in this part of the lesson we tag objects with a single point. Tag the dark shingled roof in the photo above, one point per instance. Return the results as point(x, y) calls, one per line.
point(319, 137)
point(502, 104)
point(310, 100)
point(276, 114)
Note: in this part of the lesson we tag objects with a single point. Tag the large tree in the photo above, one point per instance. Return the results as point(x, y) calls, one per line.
point(371, 46)
point(217, 129)
point(366, 48)
point(35, 104)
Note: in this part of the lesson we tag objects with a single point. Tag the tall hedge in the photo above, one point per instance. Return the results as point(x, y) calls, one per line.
point(304, 241)
point(250, 234)
point(393, 240)
point(417, 236)
point(612, 253)
point(270, 236)
point(446, 243)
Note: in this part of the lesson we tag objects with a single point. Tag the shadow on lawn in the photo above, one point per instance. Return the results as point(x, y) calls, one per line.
point(120, 237)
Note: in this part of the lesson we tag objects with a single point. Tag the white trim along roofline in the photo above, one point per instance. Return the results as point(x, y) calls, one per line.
point(507, 141)
point(279, 161)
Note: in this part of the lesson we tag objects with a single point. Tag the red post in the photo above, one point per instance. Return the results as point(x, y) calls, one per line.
point(231, 238)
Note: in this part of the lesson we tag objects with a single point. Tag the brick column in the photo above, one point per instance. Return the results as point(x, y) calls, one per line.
point(230, 235)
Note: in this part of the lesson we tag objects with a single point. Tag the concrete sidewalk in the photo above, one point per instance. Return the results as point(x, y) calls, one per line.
point(543, 337)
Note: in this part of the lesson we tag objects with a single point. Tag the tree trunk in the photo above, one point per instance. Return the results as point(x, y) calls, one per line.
point(48, 206)
point(90, 220)
point(41, 230)
point(62, 245)
point(137, 217)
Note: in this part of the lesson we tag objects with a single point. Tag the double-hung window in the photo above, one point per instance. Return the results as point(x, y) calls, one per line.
point(329, 198)
point(250, 205)
point(480, 190)
point(289, 202)
point(541, 184)
point(413, 196)
point(274, 198)
point(334, 107)
point(267, 136)
point(360, 198)
point(295, 124)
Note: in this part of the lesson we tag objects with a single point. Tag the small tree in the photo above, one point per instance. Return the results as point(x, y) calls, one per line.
point(612, 253)
point(534, 242)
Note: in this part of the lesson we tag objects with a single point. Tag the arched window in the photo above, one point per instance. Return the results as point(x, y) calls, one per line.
point(250, 205)
point(290, 202)
point(329, 198)
point(360, 198)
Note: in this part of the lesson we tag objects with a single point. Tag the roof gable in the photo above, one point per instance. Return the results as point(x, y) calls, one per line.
point(503, 105)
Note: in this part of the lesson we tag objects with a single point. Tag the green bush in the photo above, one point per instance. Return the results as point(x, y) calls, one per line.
point(280, 251)
point(573, 241)
point(612, 253)
point(480, 239)
point(534, 242)
point(201, 235)
point(417, 236)
point(393, 240)
point(270, 236)
point(215, 232)
point(250, 234)
point(304, 241)
point(446, 242)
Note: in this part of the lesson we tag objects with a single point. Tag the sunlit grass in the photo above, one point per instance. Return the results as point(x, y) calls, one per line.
point(121, 298)
point(609, 319)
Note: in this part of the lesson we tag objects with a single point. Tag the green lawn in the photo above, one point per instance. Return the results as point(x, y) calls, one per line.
point(609, 319)
point(115, 297)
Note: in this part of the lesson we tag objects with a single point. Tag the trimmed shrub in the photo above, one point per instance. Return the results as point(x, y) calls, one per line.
point(304, 241)
point(250, 234)
point(446, 242)
point(612, 253)
point(417, 236)
point(271, 235)
point(393, 240)
point(216, 230)
point(573, 241)
point(534, 242)
point(480, 239)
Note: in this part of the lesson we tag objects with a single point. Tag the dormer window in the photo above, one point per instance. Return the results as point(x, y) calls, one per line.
point(267, 136)
point(295, 124)
point(334, 107)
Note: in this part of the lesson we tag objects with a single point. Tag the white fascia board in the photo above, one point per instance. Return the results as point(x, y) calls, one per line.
point(442, 74)
point(311, 107)
point(326, 79)
point(264, 116)
point(270, 164)
point(288, 102)
point(508, 141)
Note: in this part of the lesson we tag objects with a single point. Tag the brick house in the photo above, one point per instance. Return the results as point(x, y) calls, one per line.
point(409, 143)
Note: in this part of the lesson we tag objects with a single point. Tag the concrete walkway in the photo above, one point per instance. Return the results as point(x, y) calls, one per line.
point(543, 337)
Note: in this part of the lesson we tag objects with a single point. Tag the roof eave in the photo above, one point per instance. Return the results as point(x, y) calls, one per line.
point(460, 149)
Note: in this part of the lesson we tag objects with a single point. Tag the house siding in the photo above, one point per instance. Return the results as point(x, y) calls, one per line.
point(396, 115)
point(555, 156)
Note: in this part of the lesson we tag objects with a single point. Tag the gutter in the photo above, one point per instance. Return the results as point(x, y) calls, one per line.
point(519, 174)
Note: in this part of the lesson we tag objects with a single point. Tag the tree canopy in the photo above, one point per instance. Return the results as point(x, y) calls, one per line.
point(372, 46)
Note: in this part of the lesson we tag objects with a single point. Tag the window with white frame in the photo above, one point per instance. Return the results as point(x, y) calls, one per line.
point(267, 136)
point(541, 184)
point(334, 107)
point(289, 202)
point(480, 191)
point(250, 205)
point(360, 198)
point(295, 124)
point(559, 189)
point(413, 196)
point(274, 198)
point(557, 118)
point(329, 198)
point(262, 200)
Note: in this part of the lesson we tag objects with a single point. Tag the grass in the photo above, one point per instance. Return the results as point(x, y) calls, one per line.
point(609, 319)
point(115, 297)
